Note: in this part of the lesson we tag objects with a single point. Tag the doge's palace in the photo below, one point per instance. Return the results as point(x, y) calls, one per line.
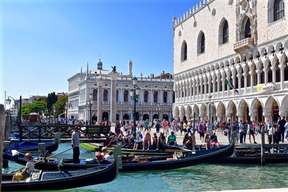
point(230, 61)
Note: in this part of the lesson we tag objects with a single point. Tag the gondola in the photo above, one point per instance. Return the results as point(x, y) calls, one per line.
point(165, 150)
point(63, 179)
point(147, 162)
point(30, 146)
point(201, 157)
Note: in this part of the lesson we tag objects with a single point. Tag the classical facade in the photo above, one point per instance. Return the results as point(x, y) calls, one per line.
point(109, 95)
point(230, 60)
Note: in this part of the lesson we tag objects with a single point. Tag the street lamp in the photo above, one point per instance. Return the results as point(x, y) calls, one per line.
point(134, 93)
point(90, 109)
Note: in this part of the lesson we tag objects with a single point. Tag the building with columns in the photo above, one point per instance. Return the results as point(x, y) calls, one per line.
point(230, 60)
point(108, 94)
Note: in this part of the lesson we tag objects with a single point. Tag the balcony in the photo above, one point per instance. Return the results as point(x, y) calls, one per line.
point(243, 44)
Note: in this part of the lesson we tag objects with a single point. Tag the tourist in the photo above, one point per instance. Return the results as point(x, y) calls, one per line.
point(146, 125)
point(162, 140)
point(155, 142)
point(207, 141)
point(214, 140)
point(277, 135)
point(189, 140)
point(75, 141)
point(251, 131)
point(27, 171)
point(147, 141)
point(157, 126)
point(138, 139)
point(201, 130)
point(165, 126)
point(281, 125)
point(241, 132)
point(269, 132)
point(172, 139)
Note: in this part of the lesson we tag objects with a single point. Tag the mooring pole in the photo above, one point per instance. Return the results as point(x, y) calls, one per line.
point(2, 127)
point(262, 144)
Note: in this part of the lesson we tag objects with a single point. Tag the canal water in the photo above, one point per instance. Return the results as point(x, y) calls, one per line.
point(196, 178)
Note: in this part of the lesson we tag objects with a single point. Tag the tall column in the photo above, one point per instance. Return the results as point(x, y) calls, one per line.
point(218, 83)
point(99, 104)
point(234, 78)
point(245, 81)
point(113, 103)
point(266, 74)
point(273, 68)
point(258, 71)
point(282, 67)
point(251, 73)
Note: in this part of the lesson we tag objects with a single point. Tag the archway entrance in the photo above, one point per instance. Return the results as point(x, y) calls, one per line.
point(244, 111)
point(188, 112)
point(221, 113)
point(196, 113)
point(211, 112)
point(232, 111)
point(176, 113)
point(272, 110)
point(284, 108)
point(257, 111)
point(203, 112)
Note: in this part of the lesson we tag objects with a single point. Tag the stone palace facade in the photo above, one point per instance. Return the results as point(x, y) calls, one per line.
point(230, 61)
point(100, 88)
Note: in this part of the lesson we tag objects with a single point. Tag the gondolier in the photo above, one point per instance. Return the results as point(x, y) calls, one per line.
point(75, 141)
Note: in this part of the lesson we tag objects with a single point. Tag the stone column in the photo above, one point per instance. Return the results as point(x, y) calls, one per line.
point(273, 68)
point(258, 71)
point(251, 73)
point(218, 84)
point(245, 81)
point(282, 67)
point(266, 74)
point(99, 104)
point(113, 103)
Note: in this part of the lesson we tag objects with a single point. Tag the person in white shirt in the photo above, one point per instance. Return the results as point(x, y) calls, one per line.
point(27, 171)
point(75, 141)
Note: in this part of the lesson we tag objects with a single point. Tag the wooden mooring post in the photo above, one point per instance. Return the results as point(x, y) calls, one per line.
point(2, 127)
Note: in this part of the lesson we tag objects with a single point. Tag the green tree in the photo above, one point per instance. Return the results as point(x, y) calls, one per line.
point(39, 106)
point(60, 105)
point(26, 110)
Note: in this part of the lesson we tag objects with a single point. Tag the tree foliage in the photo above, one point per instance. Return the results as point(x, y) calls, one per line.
point(51, 99)
point(60, 105)
point(26, 110)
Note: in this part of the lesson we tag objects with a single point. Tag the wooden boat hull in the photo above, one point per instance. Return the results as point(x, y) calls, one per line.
point(65, 179)
point(178, 163)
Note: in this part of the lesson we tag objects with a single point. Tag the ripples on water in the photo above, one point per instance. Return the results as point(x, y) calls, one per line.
point(197, 178)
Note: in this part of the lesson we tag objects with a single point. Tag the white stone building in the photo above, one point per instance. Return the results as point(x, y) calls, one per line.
point(230, 60)
point(93, 88)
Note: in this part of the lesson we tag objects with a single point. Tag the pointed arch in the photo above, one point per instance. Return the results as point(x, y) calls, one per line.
point(256, 111)
point(201, 43)
point(272, 109)
point(231, 111)
point(221, 112)
point(184, 50)
point(223, 31)
point(243, 111)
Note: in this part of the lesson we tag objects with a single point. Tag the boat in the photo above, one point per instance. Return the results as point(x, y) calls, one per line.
point(166, 150)
point(56, 180)
point(185, 161)
point(145, 162)
point(30, 146)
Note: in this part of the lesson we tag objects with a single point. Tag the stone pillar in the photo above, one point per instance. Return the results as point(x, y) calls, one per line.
point(100, 102)
point(266, 75)
point(273, 68)
point(251, 73)
point(113, 102)
point(245, 81)
point(234, 78)
point(258, 71)
point(282, 67)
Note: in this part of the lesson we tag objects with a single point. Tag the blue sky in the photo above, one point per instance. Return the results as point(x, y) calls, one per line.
point(44, 42)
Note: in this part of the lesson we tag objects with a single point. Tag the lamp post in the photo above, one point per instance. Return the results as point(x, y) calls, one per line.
point(90, 109)
point(134, 93)
point(66, 113)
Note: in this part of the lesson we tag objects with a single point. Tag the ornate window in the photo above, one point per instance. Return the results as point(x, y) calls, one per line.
point(117, 95)
point(105, 95)
point(155, 96)
point(146, 97)
point(126, 96)
point(184, 51)
point(247, 29)
point(278, 10)
point(165, 97)
point(223, 32)
point(201, 43)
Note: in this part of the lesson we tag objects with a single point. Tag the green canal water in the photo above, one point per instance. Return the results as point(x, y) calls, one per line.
point(196, 178)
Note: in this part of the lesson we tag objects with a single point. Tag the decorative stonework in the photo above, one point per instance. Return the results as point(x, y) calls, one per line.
point(246, 8)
